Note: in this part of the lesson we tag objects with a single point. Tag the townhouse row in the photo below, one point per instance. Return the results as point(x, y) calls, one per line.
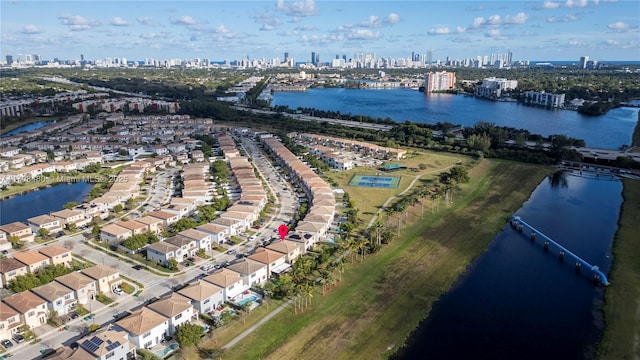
point(322, 208)
point(364, 148)
point(33, 307)
point(29, 262)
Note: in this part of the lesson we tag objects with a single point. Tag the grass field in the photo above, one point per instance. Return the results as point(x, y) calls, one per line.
point(381, 300)
point(621, 338)
point(368, 200)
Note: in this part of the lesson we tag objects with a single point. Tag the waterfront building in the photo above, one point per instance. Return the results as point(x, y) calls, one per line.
point(541, 98)
point(493, 87)
point(251, 272)
point(439, 81)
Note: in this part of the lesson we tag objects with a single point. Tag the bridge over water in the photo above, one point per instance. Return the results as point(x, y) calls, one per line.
point(598, 276)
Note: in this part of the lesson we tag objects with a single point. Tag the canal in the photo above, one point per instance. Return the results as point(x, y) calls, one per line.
point(43, 201)
point(27, 127)
point(517, 301)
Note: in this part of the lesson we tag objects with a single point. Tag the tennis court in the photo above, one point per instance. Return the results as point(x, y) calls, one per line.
point(383, 182)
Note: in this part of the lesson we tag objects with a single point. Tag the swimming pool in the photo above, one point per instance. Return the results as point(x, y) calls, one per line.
point(169, 349)
point(244, 302)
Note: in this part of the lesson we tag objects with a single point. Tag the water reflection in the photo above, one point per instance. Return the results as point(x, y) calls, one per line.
point(558, 179)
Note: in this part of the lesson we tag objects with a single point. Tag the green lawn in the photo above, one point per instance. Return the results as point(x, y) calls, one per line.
point(381, 300)
point(621, 338)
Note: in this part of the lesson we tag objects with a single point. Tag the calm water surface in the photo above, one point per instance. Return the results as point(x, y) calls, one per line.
point(35, 203)
point(608, 131)
point(28, 127)
point(518, 301)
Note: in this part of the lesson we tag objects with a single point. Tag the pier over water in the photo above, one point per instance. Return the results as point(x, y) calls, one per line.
point(598, 276)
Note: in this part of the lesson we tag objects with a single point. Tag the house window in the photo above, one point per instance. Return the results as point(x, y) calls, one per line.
point(178, 316)
point(110, 355)
point(31, 313)
point(11, 320)
point(206, 301)
point(67, 297)
point(148, 333)
point(65, 255)
point(59, 302)
point(231, 287)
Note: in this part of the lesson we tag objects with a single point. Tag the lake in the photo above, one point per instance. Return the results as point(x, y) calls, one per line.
point(609, 131)
point(43, 201)
point(27, 127)
point(517, 301)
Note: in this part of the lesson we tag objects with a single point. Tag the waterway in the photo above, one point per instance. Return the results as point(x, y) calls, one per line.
point(43, 201)
point(609, 131)
point(27, 127)
point(517, 301)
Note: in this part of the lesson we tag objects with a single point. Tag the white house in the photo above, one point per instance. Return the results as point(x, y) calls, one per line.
point(146, 328)
point(46, 222)
point(218, 233)
point(32, 308)
point(229, 281)
point(162, 252)
point(205, 297)
point(275, 261)
point(202, 239)
point(84, 287)
point(176, 308)
point(251, 272)
point(59, 298)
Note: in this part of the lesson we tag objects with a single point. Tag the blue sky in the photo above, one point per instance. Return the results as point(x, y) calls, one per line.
point(218, 30)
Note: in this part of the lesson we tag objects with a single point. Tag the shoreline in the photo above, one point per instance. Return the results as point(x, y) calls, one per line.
point(621, 336)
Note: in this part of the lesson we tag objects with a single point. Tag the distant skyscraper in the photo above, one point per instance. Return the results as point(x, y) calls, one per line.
point(316, 61)
point(286, 56)
point(509, 58)
point(429, 57)
point(9, 59)
point(583, 62)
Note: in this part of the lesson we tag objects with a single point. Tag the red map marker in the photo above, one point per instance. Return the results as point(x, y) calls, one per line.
point(283, 230)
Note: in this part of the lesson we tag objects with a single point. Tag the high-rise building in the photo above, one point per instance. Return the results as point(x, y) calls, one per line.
point(286, 56)
point(583, 62)
point(317, 60)
point(429, 57)
point(313, 57)
point(9, 59)
point(437, 81)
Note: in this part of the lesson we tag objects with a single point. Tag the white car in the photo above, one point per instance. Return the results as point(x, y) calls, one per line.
point(252, 237)
point(118, 291)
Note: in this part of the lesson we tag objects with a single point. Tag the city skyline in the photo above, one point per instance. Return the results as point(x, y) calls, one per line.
point(219, 30)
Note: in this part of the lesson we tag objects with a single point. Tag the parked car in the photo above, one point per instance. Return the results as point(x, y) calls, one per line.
point(137, 267)
point(192, 259)
point(231, 252)
point(18, 338)
point(252, 237)
point(7, 344)
point(118, 291)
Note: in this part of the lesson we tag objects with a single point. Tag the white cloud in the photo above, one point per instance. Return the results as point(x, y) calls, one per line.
point(619, 26)
point(145, 20)
point(185, 20)
point(149, 36)
point(493, 20)
point(372, 22)
point(392, 19)
point(576, 43)
point(550, 5)
point(493, 33)
point(576, 3)
point(77, 22)
point(297, 9)
point(363, 34)
point(519, 18)
point(30, 29)
point(444, 30)
point(268, 21)
point(79, 27)
point(306, 28)
point(118, 21)
point(567, 18)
